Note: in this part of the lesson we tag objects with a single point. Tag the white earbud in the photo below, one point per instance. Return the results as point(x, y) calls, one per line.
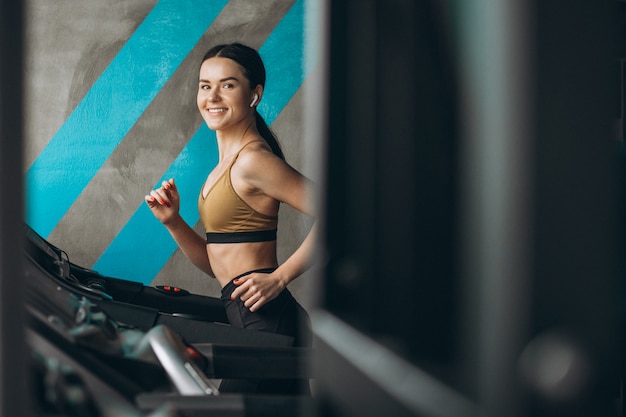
point(256, 97)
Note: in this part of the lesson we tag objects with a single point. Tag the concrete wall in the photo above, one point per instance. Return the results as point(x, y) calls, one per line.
point(110, 113)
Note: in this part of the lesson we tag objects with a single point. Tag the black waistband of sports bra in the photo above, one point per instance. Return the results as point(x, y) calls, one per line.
point(241, 237)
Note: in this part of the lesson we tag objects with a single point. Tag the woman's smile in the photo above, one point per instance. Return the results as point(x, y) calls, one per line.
point(217, 110)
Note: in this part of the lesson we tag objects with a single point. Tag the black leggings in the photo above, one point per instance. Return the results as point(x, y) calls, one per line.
point(282, 315)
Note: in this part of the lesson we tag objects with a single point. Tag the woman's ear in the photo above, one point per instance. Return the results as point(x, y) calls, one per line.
point(256, 98)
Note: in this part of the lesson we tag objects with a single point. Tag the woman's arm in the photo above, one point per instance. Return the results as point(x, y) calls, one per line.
point(164, 202)
point(300, 260)
point(274, 178)
point(257, 289)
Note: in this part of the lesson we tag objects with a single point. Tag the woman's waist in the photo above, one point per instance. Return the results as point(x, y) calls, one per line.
point(230, 274)
point(228, 263)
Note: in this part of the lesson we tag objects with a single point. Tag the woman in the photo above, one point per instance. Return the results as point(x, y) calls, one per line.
point(239, 200)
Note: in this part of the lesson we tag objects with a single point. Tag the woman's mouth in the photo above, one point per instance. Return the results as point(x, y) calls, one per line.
point(217, 111)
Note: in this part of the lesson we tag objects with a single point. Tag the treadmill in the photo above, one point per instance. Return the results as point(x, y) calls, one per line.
point(104, 346)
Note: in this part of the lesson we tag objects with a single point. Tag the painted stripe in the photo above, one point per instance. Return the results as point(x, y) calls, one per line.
point(143, 245)
point(283, 55)
point(112, 106)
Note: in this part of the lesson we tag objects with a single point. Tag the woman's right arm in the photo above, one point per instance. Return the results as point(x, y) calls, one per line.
point(164, 202)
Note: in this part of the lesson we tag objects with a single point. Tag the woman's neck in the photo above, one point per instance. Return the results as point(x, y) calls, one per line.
point(232, 140)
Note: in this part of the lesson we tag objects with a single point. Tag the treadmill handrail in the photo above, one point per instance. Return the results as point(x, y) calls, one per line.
point(186, 376)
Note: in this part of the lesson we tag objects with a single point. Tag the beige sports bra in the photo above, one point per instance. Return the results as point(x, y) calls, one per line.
point(228, 219)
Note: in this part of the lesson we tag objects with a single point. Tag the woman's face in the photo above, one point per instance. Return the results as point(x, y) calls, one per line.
point(224, 94)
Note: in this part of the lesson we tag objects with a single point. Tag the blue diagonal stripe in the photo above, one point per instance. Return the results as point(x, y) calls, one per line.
point(283, 53)
point(143, 246)
point(112, 106)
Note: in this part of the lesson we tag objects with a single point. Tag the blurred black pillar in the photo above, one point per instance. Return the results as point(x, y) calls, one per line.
point(389, 345)
point(578, 205)
point(390, 188)
point(15, 399)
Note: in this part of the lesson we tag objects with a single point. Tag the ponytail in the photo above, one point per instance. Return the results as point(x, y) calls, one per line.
point(268, 135)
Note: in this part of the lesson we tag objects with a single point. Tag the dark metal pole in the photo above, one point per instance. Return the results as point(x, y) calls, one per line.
point(496, 165)
point(14, 392)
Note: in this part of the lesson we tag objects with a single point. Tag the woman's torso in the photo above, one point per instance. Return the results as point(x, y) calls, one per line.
point(228, 205)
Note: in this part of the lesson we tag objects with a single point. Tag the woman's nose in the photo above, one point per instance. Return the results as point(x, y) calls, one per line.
point(213, 95)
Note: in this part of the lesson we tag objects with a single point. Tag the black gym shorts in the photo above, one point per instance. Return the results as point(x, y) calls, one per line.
point(282, 315)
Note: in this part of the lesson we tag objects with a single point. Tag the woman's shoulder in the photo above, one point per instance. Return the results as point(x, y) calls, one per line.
point(254, 153)
point(257, 160)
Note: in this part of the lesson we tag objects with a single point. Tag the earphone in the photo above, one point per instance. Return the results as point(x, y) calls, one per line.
point(256, 97)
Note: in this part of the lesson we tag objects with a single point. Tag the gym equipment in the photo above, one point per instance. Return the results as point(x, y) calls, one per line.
point(106, 346)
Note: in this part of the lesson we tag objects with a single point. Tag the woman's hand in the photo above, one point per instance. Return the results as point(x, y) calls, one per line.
point(164, 202)
point(257, 289)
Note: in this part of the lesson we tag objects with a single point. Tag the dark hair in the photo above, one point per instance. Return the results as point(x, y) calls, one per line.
point(254, 70)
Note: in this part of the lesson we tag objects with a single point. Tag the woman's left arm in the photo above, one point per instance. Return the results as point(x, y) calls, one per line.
point(275, 178)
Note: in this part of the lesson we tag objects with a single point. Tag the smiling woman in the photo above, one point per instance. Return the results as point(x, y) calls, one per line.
point(239, 204)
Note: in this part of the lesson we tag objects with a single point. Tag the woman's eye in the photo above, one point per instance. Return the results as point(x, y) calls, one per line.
point(228, 86)
point(205, 87)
